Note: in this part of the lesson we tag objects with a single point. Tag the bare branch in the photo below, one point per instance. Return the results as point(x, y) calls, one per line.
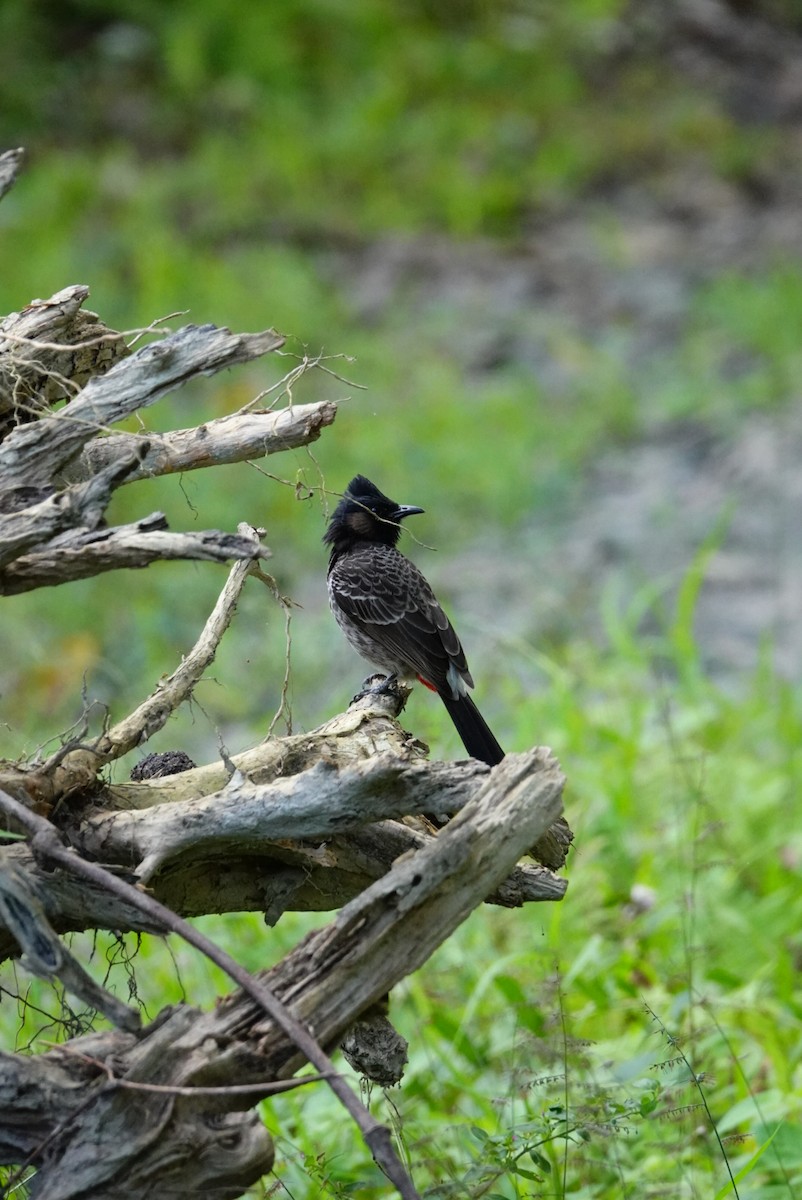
point(254, 1090)
point(34, 454)
point(366, 730)
point(154, 712)
point(242, 435)
point(82, 554)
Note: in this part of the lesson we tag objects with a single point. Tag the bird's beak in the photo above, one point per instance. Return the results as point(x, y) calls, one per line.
point(407, 510)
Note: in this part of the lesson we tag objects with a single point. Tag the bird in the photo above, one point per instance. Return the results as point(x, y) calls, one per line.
point(389, 613)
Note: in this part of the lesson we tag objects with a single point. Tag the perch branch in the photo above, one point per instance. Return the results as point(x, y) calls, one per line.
point(366, 730)
point(154, 712)
point(249, 871)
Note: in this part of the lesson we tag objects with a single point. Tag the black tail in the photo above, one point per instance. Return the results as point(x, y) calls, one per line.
point(473, 729)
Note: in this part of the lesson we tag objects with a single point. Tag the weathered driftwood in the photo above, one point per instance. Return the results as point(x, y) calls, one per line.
point(34, 454)
point(130, 1139)
point(48, 351)
point(91, 552)
point(308, 841)
point(51, 533)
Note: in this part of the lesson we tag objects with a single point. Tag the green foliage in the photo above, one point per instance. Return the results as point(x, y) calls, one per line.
point(328, 95)
point(467, 118)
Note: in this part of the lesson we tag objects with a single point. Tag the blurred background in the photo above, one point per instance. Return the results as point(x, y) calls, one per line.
point(558, 249)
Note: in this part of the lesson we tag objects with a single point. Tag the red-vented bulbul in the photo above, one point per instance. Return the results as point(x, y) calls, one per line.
point(391, 616)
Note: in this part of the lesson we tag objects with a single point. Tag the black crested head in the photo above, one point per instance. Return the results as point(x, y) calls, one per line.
point(365, 515)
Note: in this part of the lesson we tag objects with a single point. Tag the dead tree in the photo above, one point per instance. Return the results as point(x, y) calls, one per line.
point(333, 819)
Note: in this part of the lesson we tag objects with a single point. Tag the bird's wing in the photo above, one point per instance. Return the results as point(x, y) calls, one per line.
point(386, 596)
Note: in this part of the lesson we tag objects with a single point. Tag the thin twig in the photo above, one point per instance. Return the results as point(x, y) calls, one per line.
point(136, 334)
point(287, 604)
point(318, 360)
point(233, 1089)
point(59, 347)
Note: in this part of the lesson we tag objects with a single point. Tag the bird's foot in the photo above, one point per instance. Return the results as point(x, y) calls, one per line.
point(376, 685)
point(383, 685)
point(386, 683)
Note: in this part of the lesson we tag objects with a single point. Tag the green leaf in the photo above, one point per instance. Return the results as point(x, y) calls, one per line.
point(728, 1188)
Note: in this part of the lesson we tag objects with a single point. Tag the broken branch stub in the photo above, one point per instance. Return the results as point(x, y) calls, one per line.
point(48, 352)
